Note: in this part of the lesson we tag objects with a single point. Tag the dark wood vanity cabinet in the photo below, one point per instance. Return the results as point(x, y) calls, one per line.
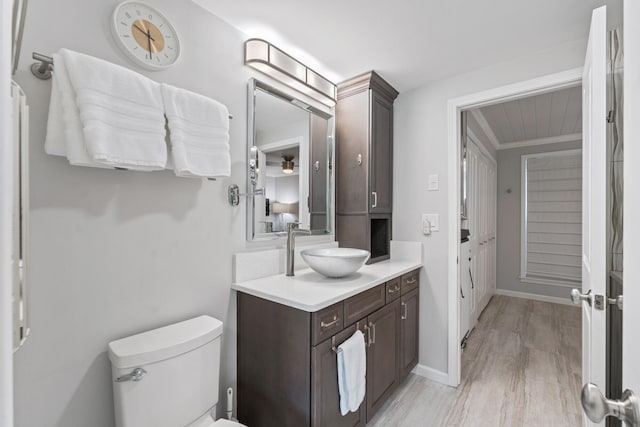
point(287, 369)
point(325, 402)
point(364, 164)
point(383, 354)
point(409, 331)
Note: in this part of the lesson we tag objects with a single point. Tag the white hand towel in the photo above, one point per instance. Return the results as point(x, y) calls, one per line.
point(121, 113)
point(198, 133)
point(352, 371)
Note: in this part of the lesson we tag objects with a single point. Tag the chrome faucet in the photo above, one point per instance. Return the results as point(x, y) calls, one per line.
point(292, 232)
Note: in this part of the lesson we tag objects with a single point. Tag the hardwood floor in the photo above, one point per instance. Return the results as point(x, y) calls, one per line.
point(521, 367)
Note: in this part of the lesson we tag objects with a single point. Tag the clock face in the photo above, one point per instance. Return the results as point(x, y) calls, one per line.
point(145, 35)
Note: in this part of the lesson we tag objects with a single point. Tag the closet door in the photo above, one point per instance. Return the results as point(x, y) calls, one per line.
point(494, 225)
point(484, 240)
point(474, 232)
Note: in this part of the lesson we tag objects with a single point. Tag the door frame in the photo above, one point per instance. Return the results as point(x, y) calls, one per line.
point(536, 86)
point(6, 223)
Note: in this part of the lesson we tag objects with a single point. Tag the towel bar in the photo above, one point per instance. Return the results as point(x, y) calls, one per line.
point(335, 349)
point(42, 69)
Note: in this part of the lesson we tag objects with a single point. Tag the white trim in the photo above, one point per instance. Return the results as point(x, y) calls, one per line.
point(6, 219)
point(541, 141)
point(523, 89)
point(486, 127)
point(523, 216)
point(483, 150)
point(282, 144)
point(431, 374)
point(548, 282)
point(535, 297)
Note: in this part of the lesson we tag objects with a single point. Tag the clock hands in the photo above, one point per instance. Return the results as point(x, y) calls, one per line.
point(149, 40)
point(146, 33)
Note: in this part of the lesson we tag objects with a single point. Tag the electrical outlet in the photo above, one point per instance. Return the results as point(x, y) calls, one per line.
point(433, 221)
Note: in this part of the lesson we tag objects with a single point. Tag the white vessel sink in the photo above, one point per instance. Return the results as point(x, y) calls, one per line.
point(335, 262)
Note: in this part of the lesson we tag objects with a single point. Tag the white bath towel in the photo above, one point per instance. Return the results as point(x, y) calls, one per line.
point(198, 133)
point(352, 371)
point(64, 128)
point(121, 113)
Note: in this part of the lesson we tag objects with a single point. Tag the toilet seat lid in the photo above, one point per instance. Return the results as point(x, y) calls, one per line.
point(226, 423)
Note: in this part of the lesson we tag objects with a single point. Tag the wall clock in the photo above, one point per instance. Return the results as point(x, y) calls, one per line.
point(145, 35)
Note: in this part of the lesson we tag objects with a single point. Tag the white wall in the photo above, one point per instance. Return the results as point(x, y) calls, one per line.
point(509, 221)
point(115, 253)
point(420, 149)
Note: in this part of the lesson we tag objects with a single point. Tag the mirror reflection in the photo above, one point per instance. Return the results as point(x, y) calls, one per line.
point(290, 145)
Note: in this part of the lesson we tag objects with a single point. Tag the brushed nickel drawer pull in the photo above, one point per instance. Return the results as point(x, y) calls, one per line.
point(368, 337)
point(330, 324)
point(373, 328)
point(412, 280)
point(395, 289)
point(404, 315)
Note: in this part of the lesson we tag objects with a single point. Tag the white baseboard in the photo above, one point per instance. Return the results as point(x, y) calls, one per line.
point(536, 297)
point(431, 374)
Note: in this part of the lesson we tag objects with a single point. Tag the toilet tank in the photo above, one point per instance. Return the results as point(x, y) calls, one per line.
point(182, 364)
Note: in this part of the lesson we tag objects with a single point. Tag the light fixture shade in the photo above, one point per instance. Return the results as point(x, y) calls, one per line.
point(290, 208)
point(287, 164)
point(268, 59)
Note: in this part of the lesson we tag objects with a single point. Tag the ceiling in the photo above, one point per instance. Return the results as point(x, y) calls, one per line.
point(413, 42)
point(545, 118)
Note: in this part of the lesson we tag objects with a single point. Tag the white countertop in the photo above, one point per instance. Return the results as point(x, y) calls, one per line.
point(310, 291)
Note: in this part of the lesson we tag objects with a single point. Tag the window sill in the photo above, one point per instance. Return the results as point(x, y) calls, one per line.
point(550, 282)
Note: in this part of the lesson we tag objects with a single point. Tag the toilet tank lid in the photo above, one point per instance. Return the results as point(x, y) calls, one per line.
point(164, 343)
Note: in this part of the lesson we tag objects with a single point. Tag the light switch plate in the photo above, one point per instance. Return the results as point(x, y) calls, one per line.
point(434, 219)
point(433, 182)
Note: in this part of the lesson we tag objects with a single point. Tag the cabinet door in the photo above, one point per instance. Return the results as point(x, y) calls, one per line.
point(382, 356)
point(381, 158)
point(325, 397)
point(408, 333)
point(352, 154)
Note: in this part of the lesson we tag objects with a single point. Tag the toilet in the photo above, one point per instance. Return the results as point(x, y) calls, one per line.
point(168, 377)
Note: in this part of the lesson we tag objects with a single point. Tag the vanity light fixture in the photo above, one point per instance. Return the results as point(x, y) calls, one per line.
point(268, 59)
point(287, 164)
point(282, 208)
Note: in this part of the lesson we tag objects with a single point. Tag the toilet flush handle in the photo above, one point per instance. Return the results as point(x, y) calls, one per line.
point(135, 375)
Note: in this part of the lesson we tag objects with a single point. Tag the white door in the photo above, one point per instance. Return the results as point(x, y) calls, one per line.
point(594, 203)
point(594, 220)
point(631, 249)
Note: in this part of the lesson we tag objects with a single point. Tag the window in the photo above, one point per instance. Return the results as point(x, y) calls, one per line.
point(552, 218)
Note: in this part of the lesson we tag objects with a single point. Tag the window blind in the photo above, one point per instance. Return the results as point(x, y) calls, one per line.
point(553, 220)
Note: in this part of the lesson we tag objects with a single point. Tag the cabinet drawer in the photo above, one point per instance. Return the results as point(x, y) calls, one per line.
point(359, 306)
point(326, 322)
point(410, 281)
point(393, 289)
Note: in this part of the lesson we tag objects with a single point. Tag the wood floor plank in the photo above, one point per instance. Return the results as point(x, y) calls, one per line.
point(521, 367)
